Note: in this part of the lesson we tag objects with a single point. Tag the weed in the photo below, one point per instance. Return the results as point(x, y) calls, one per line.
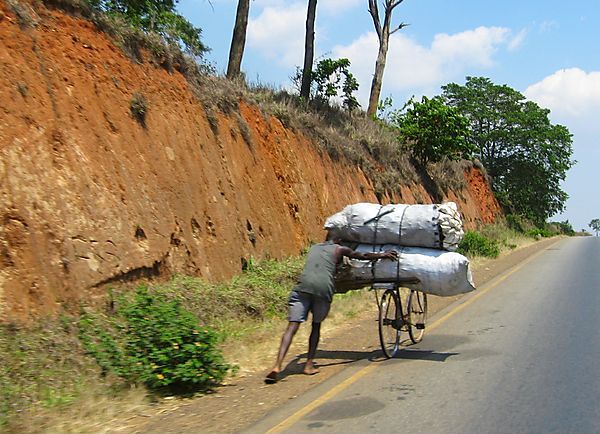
point(477, 244)
point(139, 107)
point(245, 130)
point(23, 89)
point(26, 16)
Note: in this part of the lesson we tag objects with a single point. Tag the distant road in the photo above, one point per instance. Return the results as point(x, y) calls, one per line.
point(523, 357)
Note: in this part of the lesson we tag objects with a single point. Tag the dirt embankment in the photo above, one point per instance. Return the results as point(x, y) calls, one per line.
point(90, 196)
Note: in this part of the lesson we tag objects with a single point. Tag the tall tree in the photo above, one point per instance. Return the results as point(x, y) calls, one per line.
point(526, 156)
point(238, 41)
point(383, 34)
point(309, 49)
point(595, 225)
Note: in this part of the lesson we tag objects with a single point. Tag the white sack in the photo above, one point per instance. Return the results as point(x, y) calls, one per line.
point(432, 271)
point(437, 226)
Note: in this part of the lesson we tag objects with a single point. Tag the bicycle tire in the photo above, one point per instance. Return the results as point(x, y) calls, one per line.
point(417, 312)
point(389, 330)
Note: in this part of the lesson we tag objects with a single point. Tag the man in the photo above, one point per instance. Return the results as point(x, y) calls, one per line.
point(313, 293)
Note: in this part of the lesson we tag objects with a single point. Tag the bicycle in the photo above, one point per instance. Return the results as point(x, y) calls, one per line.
point(401, 309)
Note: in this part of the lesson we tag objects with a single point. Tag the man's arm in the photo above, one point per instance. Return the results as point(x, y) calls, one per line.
point(347, 251)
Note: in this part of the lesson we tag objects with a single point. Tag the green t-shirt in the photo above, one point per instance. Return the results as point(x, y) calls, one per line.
point(318, 276)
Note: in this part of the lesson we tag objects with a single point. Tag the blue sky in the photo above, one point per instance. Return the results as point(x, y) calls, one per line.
point(547, 49)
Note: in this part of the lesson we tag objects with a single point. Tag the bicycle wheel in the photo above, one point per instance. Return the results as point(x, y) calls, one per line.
point(417, 311)
point(389, 330)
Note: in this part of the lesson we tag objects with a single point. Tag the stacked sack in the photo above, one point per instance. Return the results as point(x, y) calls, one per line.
point(425, 237)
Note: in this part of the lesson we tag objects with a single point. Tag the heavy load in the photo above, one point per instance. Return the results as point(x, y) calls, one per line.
point(432, 271)
point(437, 226)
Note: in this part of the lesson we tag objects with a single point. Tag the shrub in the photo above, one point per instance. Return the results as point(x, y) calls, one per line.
point(476, 244)
point(538, 233)
point(154, 342)
point(139, 108)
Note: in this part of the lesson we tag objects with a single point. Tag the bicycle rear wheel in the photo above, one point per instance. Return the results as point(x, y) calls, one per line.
point(389, 324)
point(417, 312)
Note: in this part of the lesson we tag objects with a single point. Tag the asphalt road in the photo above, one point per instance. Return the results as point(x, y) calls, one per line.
point(521, 355)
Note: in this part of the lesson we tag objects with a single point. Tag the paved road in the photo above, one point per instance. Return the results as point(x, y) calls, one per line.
point(523, 357)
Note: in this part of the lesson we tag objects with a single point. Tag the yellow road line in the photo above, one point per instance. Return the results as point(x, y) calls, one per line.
point(287, 423)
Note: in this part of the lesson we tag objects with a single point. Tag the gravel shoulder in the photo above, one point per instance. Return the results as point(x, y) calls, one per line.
point(246, 399)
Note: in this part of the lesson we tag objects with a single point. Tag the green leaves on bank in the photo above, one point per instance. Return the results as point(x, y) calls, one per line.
point(155, 342)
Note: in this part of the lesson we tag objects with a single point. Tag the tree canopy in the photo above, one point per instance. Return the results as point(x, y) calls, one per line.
point(434, 130)
point(157, 16)
point(595, 225)
point(525, 154)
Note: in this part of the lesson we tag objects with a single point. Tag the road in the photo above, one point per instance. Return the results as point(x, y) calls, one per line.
point(521, 355)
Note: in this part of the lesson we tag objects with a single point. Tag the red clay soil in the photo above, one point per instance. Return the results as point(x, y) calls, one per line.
point(89, 196)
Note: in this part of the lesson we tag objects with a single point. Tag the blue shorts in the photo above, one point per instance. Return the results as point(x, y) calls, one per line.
point(300, 303)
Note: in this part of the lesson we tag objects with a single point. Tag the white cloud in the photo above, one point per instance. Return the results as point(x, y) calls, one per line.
point(568, 93)
point(419, 69)
point(278, 33)
point(517, 40)
point(547, 26)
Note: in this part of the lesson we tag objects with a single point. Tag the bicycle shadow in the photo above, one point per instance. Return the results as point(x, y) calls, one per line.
point(345, 357)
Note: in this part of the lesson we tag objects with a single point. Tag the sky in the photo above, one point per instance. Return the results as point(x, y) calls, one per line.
point(547, 49)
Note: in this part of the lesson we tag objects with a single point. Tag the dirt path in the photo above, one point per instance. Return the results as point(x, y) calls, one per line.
point(247, 399)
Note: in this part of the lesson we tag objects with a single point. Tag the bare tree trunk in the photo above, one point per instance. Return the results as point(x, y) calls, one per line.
point(309, 49)
point(238, 40)
point(383, 33)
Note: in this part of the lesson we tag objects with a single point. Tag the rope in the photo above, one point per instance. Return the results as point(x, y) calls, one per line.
point(400, 243)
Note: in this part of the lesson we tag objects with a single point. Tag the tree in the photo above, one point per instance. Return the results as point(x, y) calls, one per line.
point(526, 156)
point(309, 49)
point(595, 225)
point(156, 16)
point(238, 40)
point(332, 78)
point(435, 130)
point(383, 34)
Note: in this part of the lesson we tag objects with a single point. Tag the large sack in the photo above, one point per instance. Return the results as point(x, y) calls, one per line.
point(432, 271)
point(437, 226)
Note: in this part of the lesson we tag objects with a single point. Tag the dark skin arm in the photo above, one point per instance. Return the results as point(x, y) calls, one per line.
point(347, 251)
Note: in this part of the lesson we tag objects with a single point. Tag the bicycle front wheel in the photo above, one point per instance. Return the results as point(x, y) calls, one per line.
point(389, 324)
point(417, 311)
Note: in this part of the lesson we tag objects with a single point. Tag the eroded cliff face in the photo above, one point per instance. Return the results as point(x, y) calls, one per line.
point(89, 197)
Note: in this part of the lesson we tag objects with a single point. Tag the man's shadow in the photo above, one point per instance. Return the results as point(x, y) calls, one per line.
point(344, 357)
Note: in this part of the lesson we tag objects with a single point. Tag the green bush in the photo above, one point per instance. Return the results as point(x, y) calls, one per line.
point(538, 233)
point(476, 244)
point(154, 342)
point(139, 107)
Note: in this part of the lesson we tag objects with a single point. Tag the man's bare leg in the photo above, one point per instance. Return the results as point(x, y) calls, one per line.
point(284, 346)
point(313, 342)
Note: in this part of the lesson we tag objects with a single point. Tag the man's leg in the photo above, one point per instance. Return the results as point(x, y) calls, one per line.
point(313, 342)
point(320, 310)
point(284, 346)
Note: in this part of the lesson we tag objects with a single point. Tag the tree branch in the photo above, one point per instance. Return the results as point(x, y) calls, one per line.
point(400, 27)
point(374, 11)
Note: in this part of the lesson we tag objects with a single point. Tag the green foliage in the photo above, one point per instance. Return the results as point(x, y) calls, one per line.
point(333, 78)
point(139, 107)
point(477, 244)
point(564, 228)
point(526, 156)
point(435, 130)
point(155, 342)
point(538, 233)
point(595, 225)
point(158, 16)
